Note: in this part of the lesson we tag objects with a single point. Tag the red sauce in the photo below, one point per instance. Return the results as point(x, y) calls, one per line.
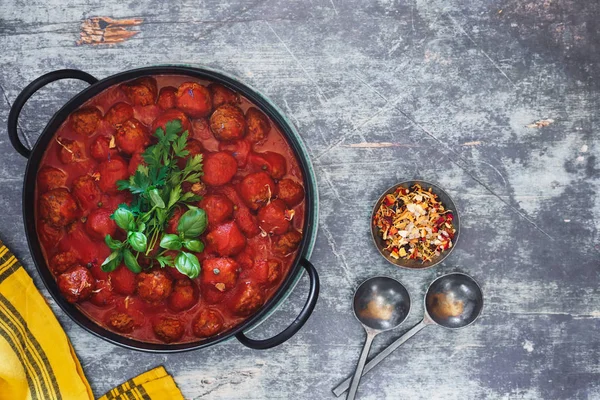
point(91, 251)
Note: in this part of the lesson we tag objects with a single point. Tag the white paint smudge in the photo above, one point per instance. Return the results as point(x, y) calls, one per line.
point(366, 145)
point(584, 148)
point(527, 345)
point(475, 143)
point(541, 123)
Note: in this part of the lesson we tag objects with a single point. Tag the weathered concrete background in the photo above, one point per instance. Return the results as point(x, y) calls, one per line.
point(381, 91)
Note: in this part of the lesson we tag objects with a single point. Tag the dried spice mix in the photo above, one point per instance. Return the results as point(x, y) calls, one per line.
point(414, 224)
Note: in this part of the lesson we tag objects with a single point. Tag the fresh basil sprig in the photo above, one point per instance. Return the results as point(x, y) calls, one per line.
point(157, 189)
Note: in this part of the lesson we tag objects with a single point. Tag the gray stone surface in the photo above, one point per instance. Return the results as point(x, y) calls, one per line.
point(381, 91)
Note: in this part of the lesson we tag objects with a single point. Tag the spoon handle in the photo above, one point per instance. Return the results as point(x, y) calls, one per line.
point(360, 366)
point(342, 387)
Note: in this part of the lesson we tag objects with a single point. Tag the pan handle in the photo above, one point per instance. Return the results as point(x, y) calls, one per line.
point(300, 320)
point(15, 110)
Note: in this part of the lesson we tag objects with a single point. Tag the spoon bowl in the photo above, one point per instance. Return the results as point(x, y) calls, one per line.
point(381, 303)
point(454, 300)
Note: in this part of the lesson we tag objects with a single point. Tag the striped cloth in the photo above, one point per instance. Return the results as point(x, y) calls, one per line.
point(37, 360)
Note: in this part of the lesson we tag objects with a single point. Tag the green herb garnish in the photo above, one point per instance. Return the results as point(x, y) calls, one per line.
point(157, 192)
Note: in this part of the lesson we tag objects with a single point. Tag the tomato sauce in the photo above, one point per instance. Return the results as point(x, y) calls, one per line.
point(70, 242)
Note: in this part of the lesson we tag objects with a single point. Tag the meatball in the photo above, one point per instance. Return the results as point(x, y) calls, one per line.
point(208, 323)
point(99, 224)
point(142, 91)
point(194, 147)
point(49, 234)
point(169, 329)
point(272, 218)
point(241, 213)
point(147, 114)
point(228, 123)
point(268, 271)
point(226, 239)
point(219, 168)
point(76, 284)
point(131, 136)
point(70, 151)
point(290, 192)
point(174, 221)
point(258, 125)
point(240, 149)
point(220, 273)
point(201, 130)
point(221, 95)
point(111, 171)
point(154, 286)
point(246, 221)
point(211, 295)
point(167, 97)
point(102, 295)
point(136, 160)
point(61, 262)
point(96, 269)
point(123, 280)
point(58, 207)
point(85, 121)
point(120, 322)
point(86, 192)
point(171, 115)
point(184, 295)
point(119, 113)
point(194, 99)
point(273, 163)
point(287, 243)
point(103, 147)
point(246, 258)
point(257, 189)
point(248, 299)
point(49, 178)
point(218, 208)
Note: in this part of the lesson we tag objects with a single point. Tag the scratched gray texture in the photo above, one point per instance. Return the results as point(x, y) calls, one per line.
point(381, 91)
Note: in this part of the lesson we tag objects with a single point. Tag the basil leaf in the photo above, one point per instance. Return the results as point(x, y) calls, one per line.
point(112, 244)
point(131, 262)
point(187, 264)
point(155, 199)
point(137, 240)
point(170, 242)
point(194, 245)
point(112, 261)
point(141, 227)
point(124, 219)
point(192, 223)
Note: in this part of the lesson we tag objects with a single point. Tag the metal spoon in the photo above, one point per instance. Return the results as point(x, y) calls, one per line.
point(452, 301)
point(380, 304)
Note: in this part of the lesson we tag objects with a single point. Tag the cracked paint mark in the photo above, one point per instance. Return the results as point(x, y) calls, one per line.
point(106, 30)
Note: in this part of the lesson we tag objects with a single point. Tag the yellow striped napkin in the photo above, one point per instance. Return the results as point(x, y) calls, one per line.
point(37, 360)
